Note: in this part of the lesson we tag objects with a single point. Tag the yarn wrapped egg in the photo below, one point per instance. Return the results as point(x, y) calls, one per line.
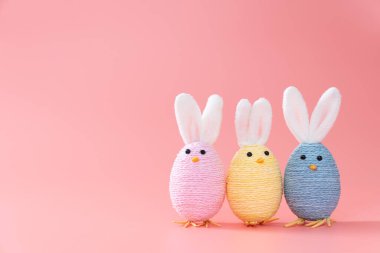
point(254, 182)
point(311, 181)
point(197, 179)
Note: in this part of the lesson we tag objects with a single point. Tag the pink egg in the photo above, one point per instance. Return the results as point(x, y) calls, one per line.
point(197, 182)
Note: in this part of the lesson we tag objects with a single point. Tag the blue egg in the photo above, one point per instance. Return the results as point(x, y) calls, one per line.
point(312, 182)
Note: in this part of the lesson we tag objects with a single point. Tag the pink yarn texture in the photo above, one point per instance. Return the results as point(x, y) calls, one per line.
point(197, 189)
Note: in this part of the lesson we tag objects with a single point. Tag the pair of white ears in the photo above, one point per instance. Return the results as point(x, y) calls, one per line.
point(253, 123)
point(322, 119)
point(194, 125)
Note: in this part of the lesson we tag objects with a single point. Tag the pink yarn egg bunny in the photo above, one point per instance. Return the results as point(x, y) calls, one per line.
point(197, 180)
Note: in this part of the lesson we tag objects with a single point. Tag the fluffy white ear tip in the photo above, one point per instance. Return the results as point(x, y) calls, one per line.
point(334, 88)
point(243, 107)
point(262, 101)
point(183, 96)
point(215, 98)
point(291, 89)
point(334, 91)
point(243, 103)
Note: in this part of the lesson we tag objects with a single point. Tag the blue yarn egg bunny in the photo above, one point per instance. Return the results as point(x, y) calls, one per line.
point(311, 181)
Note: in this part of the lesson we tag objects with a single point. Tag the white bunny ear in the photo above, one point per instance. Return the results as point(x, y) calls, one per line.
point(211, 119)
point(253, 123)
point(188, 117)
point(260, 122)
point(242, 114)
point(324, 115)
point(295, 113)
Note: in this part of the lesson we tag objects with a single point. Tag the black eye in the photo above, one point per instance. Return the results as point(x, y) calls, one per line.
point(249, 154)
point(203, 152)
point(266, 152)
point(303, 157)
point(188, 151)
point(319, 158)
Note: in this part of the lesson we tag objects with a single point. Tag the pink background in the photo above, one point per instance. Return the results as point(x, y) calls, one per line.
point(88, 134)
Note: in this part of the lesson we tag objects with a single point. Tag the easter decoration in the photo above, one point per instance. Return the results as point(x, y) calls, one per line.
point(197, 179)
point(254, 183)
point(311, 181)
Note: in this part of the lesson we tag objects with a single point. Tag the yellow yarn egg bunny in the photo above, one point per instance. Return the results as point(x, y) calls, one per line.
point(254, 183)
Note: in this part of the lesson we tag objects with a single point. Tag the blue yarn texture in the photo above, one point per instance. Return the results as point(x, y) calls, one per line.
point(312, 195)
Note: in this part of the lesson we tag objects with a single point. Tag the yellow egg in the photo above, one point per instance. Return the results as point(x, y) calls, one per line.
point(254, 184)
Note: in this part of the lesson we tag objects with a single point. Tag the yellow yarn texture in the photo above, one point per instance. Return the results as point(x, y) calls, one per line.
point(254, 184)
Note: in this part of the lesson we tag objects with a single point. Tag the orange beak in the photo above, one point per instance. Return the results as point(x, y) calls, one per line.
point(313, 167)
point(195, 159)
point(260, 160)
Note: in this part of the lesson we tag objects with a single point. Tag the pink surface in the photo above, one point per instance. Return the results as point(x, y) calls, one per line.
point(88, 134)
